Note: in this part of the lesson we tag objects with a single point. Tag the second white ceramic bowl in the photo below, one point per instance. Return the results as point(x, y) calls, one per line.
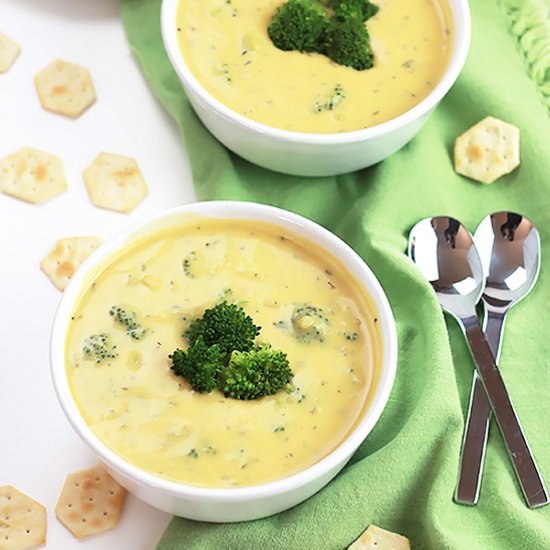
point(234, 504)
point(312, 154)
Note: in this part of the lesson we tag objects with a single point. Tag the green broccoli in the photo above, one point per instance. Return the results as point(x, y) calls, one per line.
point(346, 42)
point(200, 365)
point(255, 373)
point(338, 95)
point(304, 25)
point(99, 347)
point(298, 25)
point(187, 264)
point(357, 9)
point(226, 325)
point(128, 318)
point(309, 323)
point(221, 356)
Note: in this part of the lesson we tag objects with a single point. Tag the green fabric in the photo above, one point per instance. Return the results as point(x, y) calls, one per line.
point(403, 476)
point(530, 23)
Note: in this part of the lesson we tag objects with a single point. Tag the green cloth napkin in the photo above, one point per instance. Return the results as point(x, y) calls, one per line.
point(403, 476)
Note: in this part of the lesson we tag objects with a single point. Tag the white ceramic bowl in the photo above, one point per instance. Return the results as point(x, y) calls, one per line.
point(233, 504)
point(312, 154)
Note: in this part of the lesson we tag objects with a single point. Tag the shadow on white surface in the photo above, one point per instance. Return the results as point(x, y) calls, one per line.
point(72, 9)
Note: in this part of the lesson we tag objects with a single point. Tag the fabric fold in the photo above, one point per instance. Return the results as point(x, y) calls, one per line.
point(530, 24)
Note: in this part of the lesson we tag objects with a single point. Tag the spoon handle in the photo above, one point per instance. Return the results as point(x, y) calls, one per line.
point(493, 325)
point(477, 425)
point(473, 445)
point(507, 420)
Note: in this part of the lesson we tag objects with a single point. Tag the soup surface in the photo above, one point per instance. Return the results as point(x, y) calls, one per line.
point(150, 417)
point(226, 46)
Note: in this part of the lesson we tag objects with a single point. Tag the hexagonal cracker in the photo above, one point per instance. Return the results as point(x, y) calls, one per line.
point(32, 175)
point(62, 261)
point(115, 182)
point(488, 150)
point(9, 51)
point(65, 88)
point(375, 538)
point(90, 502)
point(22, 520)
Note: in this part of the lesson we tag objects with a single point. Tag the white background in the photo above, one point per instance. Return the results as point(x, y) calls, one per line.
point(38, 448)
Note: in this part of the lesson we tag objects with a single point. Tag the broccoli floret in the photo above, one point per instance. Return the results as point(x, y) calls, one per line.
point(226, 325)
point(346, 42)
point(298, 25)
point(357, 9)
point(128, 318)
point(255, 373)
point(221, 356)
point(99, 347)
point(187, 264)
point(303, 25)
point(200, 365)
point(338, 95)
point(309, 323)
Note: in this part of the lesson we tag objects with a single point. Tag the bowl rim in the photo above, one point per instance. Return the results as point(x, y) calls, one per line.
point(228, 210)
point(460, 11)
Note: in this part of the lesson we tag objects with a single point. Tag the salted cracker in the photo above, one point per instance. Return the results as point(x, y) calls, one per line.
point(90, 502)
point(32, 175)
point(65, 88)
point(68, 254)
point(22, 520)
point(487, 150)
point(115, 182)
point(9, 51)
point(375, 538)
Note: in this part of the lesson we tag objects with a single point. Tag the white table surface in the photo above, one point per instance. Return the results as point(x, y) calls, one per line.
point(38, 448)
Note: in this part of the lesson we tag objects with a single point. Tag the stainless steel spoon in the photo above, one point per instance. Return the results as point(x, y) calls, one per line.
point(444, 251)
point(509, 248)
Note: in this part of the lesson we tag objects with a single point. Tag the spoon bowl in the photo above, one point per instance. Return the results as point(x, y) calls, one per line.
point(445, 253)
point(509, 247)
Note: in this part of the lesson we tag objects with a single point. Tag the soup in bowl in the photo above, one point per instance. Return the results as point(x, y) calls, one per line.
point(192, 451)
point(302, 113)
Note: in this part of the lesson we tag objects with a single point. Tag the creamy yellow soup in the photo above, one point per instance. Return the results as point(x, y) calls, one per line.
point(150, 417)
point(226, 46)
